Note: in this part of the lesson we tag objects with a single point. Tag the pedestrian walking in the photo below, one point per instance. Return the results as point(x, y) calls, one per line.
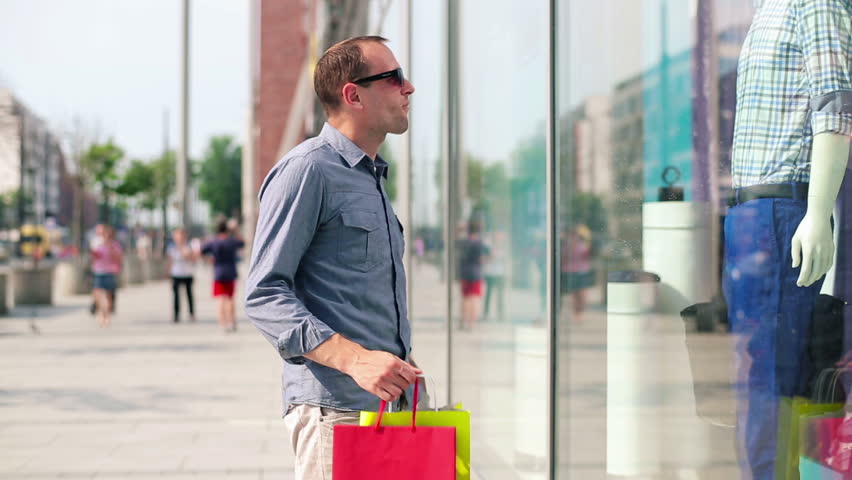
point(223, 250)
point(494, 271)
point(182, 258)
point(326, 283)
point(106, 265)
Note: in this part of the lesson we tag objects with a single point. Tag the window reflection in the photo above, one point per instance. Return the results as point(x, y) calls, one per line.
point(648, 390)
point(500, 288)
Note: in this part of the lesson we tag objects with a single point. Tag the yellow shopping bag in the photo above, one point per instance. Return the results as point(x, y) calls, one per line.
point(435, 418)
point(793, 413)
point(790, 413)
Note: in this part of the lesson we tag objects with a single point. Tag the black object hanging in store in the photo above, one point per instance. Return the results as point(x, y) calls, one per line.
point(670, 193)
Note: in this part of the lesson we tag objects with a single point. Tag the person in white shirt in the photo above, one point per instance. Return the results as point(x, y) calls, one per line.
point(182, 257)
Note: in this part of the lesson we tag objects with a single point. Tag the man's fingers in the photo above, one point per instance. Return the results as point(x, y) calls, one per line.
point(396, 382)
point(409, 373)
point(400, 376)
point(383, 394)
point(393, 391)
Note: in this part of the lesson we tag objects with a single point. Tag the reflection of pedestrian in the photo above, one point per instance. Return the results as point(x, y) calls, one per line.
point(106, 265)
point(224, 249)
point(473, 254)
point(576, 267)
point(494, 270)
point(181, 258)
point(419, 249)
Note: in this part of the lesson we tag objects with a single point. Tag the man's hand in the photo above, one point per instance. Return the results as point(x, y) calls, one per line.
point(381, 373)
point(813, 248)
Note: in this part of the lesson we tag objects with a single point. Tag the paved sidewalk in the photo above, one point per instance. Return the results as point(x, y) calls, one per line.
point(144, 398)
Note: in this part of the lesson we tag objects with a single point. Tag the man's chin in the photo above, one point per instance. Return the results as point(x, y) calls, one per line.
point(400, 128)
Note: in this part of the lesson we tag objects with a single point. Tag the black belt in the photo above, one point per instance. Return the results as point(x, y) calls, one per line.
point(797, 191)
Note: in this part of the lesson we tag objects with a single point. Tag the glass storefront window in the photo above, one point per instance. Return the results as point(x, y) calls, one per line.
point(665, 355)
point(427, 270)
point(499, 342)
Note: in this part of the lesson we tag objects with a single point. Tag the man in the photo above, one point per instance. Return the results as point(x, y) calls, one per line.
point(326, 284)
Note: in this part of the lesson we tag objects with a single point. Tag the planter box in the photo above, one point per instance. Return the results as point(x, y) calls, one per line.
point(71, 278)
point(33, 285)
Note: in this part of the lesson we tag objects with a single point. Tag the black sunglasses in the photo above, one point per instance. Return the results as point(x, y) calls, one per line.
point(396, 76)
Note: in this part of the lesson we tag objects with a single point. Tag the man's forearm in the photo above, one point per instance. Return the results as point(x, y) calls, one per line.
point(338, 353)
point(380, 373)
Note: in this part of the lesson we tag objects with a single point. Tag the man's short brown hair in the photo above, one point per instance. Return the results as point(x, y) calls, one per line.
point(343, 62)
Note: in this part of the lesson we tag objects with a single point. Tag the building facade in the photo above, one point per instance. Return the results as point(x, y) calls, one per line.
point(32, 163)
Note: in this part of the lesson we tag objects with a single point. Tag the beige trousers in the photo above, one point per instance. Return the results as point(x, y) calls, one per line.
point(312, 437)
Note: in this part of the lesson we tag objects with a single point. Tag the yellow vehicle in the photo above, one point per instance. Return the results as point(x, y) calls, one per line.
point(34, 240)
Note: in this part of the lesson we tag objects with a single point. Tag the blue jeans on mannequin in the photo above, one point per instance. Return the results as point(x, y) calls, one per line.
point(770, 317)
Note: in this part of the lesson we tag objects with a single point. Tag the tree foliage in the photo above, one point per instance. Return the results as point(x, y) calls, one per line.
point(99, 166)
point(220, 176)
point(137, 180)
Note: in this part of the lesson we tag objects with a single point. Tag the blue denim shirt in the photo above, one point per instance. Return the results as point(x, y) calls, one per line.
point(327, 258)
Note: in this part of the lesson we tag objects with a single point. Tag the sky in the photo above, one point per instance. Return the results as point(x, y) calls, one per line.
point(116, 65)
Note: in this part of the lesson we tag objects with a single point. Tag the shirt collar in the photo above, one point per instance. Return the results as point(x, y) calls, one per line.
point(349, 151)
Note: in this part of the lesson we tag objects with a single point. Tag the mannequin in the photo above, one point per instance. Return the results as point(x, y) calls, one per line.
point(813, 242)
point(791, 145)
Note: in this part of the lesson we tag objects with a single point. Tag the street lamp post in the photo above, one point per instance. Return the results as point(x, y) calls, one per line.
point(183, 149)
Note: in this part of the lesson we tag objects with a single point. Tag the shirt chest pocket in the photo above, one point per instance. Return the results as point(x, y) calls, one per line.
point(359, 239)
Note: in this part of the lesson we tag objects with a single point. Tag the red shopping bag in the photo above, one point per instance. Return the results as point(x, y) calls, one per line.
point(828, 443)
point(394, 453)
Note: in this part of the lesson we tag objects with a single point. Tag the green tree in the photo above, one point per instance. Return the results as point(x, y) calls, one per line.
point(100, 163)
point(487, 188)
point(9, 209)
point(137, 180)
point(221, 176)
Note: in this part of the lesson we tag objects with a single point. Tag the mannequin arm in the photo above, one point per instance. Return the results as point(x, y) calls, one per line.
point(813, 242)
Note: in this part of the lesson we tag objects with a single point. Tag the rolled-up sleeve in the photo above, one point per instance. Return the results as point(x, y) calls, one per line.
point(291, 201)
point(825, 30)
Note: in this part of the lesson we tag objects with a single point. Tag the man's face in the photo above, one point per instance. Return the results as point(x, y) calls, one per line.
point(385, 101)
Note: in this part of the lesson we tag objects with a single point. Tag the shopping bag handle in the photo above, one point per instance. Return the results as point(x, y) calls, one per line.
point(383, 405)
point(820, 385)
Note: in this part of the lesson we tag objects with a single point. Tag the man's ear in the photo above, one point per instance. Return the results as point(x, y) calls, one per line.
point(350, 95)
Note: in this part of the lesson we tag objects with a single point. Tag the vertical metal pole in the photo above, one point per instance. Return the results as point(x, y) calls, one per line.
point(164, 220)
point(451, 162)
point(405, 166)
point(22, 188)
point(183, 149)
point(552, 176)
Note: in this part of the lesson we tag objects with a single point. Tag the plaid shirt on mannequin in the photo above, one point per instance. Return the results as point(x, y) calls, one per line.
point(794, 82)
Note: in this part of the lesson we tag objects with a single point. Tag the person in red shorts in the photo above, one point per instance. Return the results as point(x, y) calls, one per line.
point(224, 250)
point(473, 255)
